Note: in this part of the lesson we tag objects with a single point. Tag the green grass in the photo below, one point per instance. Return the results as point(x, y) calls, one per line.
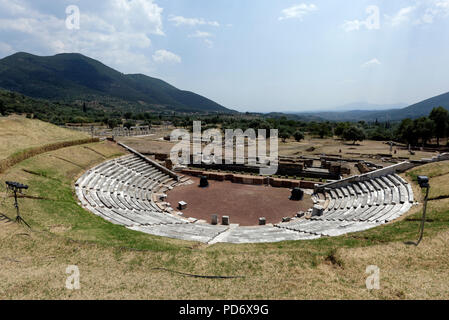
point(59, 208)
point(431, 170)
point(438, 174)
point(119, 263)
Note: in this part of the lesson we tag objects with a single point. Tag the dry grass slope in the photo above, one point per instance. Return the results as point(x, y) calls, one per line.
point(116, 263)
point(18, 133)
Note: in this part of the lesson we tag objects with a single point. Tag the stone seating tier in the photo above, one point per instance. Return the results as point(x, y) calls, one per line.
point(121, 191)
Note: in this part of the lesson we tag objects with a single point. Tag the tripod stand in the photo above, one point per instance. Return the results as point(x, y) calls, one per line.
point(19, 219)
point(17, 187)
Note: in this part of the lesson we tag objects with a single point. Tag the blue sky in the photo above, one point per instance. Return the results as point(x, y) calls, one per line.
point(253, 55)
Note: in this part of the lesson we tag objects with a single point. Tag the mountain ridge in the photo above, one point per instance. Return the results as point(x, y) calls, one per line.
point(416, 110)
point(73, 76)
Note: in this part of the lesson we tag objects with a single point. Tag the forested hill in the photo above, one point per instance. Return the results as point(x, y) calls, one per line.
point(417, 110)
point(414, 111)
point(74, 77)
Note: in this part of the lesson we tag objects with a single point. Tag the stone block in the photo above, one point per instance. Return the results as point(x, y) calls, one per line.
point(300, 214)
point(317, 211)
point(225, 220)
point(182, 205)
point(307, 184)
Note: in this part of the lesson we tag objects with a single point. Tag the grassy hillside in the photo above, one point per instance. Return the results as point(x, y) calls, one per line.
point(117, 263)
point(19, 133)
point(56, 112)
point(76, 77)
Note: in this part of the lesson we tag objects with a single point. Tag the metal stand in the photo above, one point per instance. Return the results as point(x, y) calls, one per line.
point(19, 219)
point(423, 221)
point(17, 187)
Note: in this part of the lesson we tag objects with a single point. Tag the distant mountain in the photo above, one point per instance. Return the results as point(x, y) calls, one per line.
point(73, 77)
point(414, 111)
point(292, 116)
point(352, 115)
point(367, 106)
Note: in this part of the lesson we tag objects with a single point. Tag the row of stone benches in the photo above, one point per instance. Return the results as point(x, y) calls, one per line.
point(121, 191)
point(356, 207)
point(233, 234)
point(329, 228)
point(380, 199)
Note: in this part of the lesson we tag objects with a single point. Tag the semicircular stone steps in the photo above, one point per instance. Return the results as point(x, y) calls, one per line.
point(121, 191)
point(357, 206)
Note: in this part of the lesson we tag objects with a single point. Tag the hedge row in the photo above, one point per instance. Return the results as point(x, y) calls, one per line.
point(31, 152)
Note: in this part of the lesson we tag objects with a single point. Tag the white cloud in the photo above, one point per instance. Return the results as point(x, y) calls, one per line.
point(117, 33)
point(164, 56)
point(297, 11)
point(13, 7)
point(372, 21)
point(370, 63)
point(200, 34)
point(203, 35)
point(422, 12)
point(439, 8)
point(209, 43)
point(136, 14)
point(403, 16)
point(353, 25)
point(192, 22)
point(444, 5)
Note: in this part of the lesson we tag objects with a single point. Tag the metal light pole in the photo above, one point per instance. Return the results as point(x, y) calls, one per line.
point(423, 182)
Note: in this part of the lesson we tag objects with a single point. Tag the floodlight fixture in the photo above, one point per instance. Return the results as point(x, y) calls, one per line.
point(17, 187)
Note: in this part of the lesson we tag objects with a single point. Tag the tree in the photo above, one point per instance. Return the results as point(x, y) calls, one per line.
point(129, 124)
point(322, 129)
point(379, 134)
point(84, 107)
point(354, 134)
point(112, 123)
point(340, 129)
point(407, 132)
point(284, 136)
point(298, 135)
point(128, 115)
point(424, 128)
point(440, 116)
point(2, 108)
point(284, 133)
